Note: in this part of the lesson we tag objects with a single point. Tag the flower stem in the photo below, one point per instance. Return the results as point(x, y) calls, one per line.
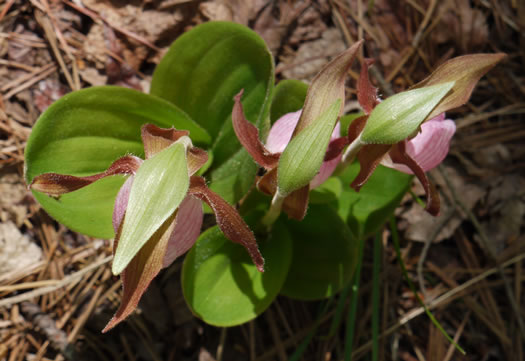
point(351, 151)
point(275, 209)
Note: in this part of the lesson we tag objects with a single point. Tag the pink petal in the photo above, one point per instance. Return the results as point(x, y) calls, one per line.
point(327, 168)
point(121, 203)
point(281, 132)
point(430, 146)
point(280, 135)
point(187, 229)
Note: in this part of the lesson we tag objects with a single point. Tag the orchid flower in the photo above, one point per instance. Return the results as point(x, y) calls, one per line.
point(388, 133)
point(294, 154)
point(280, 135)
point(158, 212)
point(429, 147)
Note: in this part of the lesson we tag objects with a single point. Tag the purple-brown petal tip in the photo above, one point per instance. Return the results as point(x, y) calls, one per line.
point(228, 219)
point(248, 136)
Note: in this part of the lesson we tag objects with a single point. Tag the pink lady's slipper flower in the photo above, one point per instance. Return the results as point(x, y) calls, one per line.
point(408, 131)
point(158, 211)
point(295, 152)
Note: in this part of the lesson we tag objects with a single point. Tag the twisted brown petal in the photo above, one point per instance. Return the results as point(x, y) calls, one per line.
point(228, 219)
point(248, 135)
point(369, 158)
point(356, 127)
point(399, 155)
point(335, 148)
point(55, 184)
point(366, 92)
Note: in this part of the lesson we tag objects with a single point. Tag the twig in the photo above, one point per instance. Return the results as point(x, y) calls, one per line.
point(46, 324)
point(6, 8)
point(438, 301)
point(45, 290)
point(222, 341)
point(45, 23)
point(49, 69)
point(459, 331)
point(489, 250)
point(97, 17)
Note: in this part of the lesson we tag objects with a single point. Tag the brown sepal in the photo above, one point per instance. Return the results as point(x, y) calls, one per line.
point(268, 182)
point(248, 136)
point(55, 184)
point(228, 219)
point(142, 269)
point(156, 139)
point(399, 155)
point(369, 158)
point(196, 158)
point(296, 203)
point(465, 71)
point(366, 92)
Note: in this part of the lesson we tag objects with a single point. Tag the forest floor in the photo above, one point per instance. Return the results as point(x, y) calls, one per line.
point(57, 293)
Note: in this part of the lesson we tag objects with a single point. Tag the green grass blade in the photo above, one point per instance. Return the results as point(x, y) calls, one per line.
point(350, 320)
point(436, 323)
point(375, 296)
point(323, 308)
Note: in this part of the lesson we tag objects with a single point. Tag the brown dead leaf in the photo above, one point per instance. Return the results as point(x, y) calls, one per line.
point(239, 11)
point(13, 193)
point(17, 251)
point(311, 56)
point(464, 25)
point(421, 225)
point(151, 25)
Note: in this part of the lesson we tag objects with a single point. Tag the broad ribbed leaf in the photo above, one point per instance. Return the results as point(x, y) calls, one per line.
point(367, 211)
point(288, 96)
point(324, 255)
point(400, 115)
point(222, 286)
point(160, 185)
point(302, 158)
point(204, 69)
point(82, 134)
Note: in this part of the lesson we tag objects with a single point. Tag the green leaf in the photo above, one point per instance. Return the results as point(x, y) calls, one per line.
point(324, 256)
point(203, 70)
point(368, 210)
point(159, 186)
point(399, 116)
point(82, 134)
point(327, 192)
point(288, 96)
point(303, 156)
point(221, 284)
point(234, 178)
